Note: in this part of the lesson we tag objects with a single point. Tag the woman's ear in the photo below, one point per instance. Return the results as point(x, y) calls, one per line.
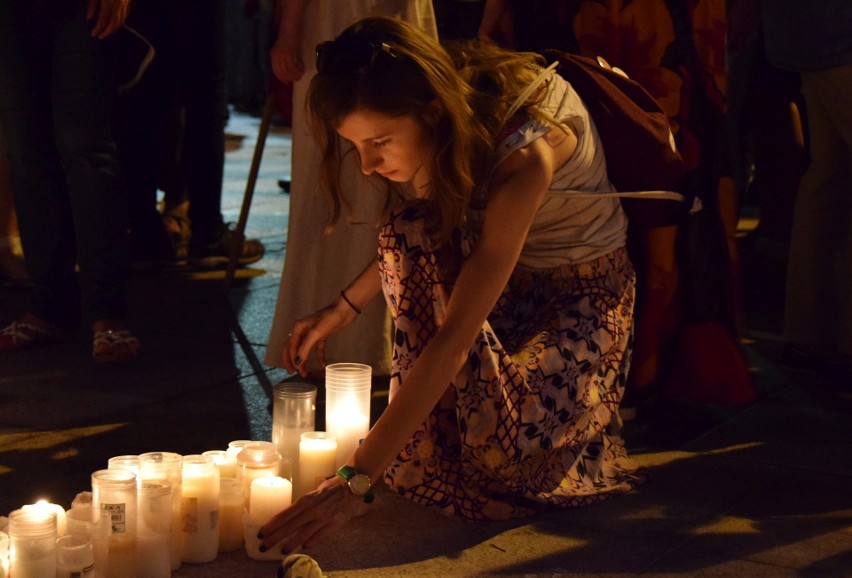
point(434, 111)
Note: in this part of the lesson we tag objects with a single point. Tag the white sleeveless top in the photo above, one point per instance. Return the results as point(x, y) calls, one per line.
point(570, 230)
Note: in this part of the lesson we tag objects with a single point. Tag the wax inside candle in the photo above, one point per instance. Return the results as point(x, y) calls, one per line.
point(269, 496)
point(45, 506)
point(317, 460)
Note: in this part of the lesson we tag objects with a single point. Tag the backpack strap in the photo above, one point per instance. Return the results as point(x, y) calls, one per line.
point(519, 102)
point(662, 195)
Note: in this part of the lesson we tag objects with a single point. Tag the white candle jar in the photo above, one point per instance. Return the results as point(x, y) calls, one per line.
point(293, 413)
point(236, 446)
point(32, 543)
point(128, 463)
point(4, 555)
point(231, 508)
point(114, 523)
point(154, 529)
point(347, 405)
point(200, 512)
point(78, 521)
point(317, 460)
point(75, 557)
point(256, 460)
point(166, 466)
point(269, 496)
point(225, 461)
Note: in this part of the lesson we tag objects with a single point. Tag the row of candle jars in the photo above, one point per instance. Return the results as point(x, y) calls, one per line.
point(149, 513)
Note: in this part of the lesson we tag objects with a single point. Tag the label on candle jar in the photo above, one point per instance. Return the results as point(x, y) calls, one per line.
point(190, 515)
point(117, 517)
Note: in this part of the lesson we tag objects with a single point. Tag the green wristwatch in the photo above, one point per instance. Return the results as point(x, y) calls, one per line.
point(359, 484)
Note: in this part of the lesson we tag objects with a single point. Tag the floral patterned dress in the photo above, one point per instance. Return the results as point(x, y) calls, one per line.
point(523, 426)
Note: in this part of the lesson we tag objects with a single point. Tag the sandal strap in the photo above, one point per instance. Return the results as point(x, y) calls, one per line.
point(22, 332)
point(113, 337)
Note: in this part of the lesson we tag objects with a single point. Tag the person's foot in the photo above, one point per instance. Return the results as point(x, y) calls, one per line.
point(113, 342)
point(216, 255)
point(27, 332)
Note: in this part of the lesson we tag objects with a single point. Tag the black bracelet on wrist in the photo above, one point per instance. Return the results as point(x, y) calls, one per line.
point(352, 305)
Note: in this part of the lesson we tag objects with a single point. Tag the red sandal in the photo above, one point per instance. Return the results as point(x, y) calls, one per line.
point(28, 331)
point(114, 345)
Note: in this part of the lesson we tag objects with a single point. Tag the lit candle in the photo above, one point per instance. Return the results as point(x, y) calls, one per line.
point(45, 506)
point(257, 460)
point(200, 509)
point(225, 461)
point(349, 429)
point(268, 497)
point(347, 405)
point(317, 460)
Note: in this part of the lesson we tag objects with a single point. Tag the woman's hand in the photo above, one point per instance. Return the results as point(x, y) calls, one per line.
point(313, 517)
point(311, 332)
point(286, 57)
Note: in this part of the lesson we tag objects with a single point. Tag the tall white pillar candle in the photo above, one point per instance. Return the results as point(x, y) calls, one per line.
point(200, 510)
point(114, 517)
point(347, 405)
point(231, 508)
point(154, 529)
point(166, 466)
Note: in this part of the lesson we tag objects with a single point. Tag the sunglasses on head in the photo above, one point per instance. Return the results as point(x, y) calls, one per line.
point(361, 58)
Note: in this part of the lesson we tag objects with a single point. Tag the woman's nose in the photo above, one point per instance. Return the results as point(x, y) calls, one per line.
point(369, 162)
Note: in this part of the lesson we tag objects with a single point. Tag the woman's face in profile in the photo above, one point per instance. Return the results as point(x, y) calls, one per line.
point(394, 147)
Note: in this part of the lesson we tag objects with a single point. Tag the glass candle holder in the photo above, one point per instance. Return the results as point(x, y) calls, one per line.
point(114, 520)
point(166, 466)
point(128, 463)
point(154, 529)
point(231, 508)
point(78, 521)
point(75, 557)
point(317, 460)
point(347, 405)
point(293, 413)
point(200, 514)
point(44, 505)
point(236, 446)
point(256, 460)
point(269, 496)
point(4, 555)
point(32, 543)
point(226, 462)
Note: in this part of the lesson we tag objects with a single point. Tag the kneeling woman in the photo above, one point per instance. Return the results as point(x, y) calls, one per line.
point(512, 302)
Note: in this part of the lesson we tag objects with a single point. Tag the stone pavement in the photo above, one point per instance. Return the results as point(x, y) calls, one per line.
point(764, 490)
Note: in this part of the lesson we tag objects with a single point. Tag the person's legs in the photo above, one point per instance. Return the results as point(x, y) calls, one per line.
point(83, 108)
point(814, 305)
point(201, 46)
point(37, 178)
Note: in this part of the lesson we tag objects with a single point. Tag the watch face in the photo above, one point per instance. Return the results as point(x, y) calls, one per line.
point(359, 484)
